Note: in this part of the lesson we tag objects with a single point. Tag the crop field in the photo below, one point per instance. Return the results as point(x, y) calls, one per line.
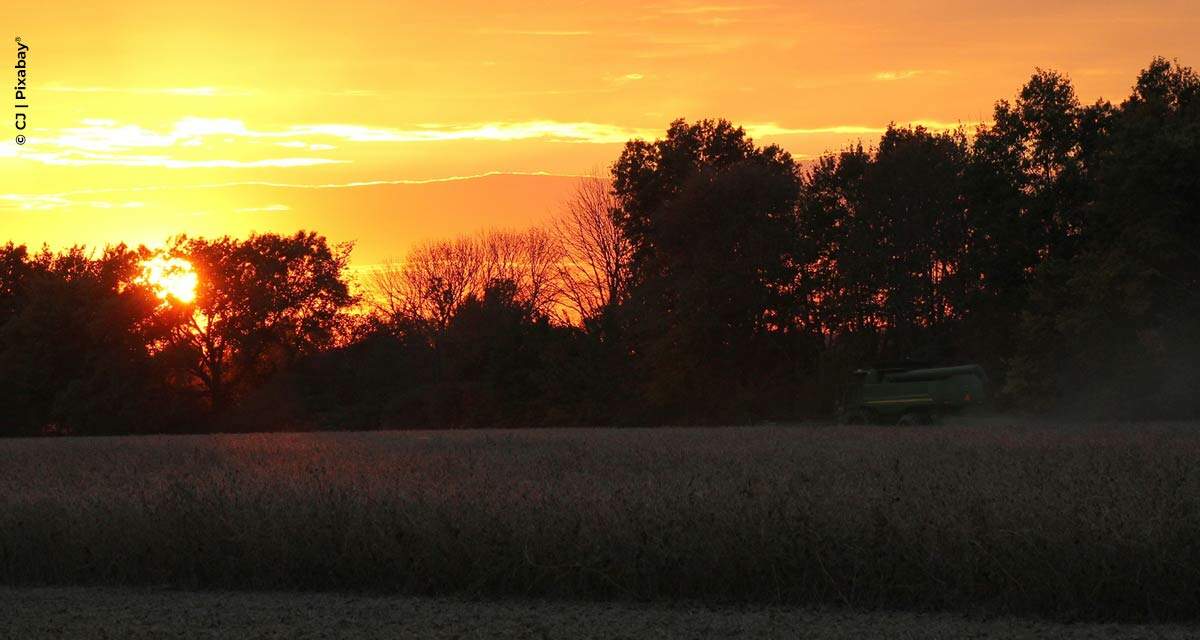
point(1067, 522)
point(104, 613)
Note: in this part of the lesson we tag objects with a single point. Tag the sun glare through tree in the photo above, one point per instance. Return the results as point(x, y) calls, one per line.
point(172, 278)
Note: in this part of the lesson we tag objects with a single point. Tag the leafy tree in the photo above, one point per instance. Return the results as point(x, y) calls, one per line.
point(74, 353)
point(261, 303)
point(1030, 190)
point(711, 221)
point(489, 356)
point(17, 267)
point(1113, 328)
point(883, 235)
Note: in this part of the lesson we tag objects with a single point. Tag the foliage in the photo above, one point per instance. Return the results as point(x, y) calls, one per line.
point(711, 221)
point(90, 348)
point(1111, 325)
point(74, 351)
point(261, 304)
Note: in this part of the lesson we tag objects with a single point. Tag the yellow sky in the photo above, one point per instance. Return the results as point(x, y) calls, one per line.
point(151, 118)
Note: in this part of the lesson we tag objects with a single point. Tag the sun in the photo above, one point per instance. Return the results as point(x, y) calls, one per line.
point(172, 278)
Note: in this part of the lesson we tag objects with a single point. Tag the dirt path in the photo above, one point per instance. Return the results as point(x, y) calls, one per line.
point(129, 613)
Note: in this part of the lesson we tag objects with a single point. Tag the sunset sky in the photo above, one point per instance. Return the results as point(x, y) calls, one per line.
point(388, 123)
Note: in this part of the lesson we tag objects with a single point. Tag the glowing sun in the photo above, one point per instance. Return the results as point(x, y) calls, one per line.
point(171, 278)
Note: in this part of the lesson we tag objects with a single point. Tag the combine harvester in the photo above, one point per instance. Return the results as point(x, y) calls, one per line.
point(912, 395)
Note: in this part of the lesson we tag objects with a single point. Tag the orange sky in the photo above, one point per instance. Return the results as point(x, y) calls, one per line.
point(150, 118)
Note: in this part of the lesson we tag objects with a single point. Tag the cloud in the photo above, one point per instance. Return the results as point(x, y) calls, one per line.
point(584, 132)
point(100, 135)
point(46, 202)
point(713, 8)
point(171, 91)
point(43, 201)
point(194, 127)
point(108, 142)
point(659, 46)
point(908, 74)
point(298, 144)
point(617, 82)
point(474, 176)
point(34, 202)
point(102, 204)
point(87, 158)
point(768, 129)
point(219, 92)
point(551, 33)
point(107, 136)
point(110, 136)
point(269, 207)
point(53, 200)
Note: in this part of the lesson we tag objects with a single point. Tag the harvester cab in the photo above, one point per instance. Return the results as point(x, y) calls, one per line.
point(911, 394)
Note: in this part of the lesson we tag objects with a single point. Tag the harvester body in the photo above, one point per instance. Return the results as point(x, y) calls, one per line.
point(913, 394)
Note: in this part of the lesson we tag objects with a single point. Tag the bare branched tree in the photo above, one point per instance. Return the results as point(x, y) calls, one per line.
point(441, 276)
point(529, 259)
point(594, 271)
point(430, 285)
point(436, 278)
point(502, 255)
point(385, 291)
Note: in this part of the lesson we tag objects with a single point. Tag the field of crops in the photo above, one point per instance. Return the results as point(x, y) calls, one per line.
point(1097, 522)
point(105, 613)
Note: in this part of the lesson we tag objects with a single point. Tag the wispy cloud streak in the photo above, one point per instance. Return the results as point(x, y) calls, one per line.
point(62, 197)
point(145, 91)
point(770, 129)
point(107, 142)
point(908, 74)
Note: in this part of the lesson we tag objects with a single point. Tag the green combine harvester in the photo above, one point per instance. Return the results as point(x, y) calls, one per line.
point(912, 394)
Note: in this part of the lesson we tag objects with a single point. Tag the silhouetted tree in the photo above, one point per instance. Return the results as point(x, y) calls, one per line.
point(74, 352)
point(435, 279)
point(884, 235)
point(261, 303)
point(1111, 326)
point(711, 220)
point(529, 260)
point(489, 356)
point(431, 283)
point(17, 267)
point(594, 271)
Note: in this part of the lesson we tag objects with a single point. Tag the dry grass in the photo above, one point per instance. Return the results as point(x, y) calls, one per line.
point(1096, 522)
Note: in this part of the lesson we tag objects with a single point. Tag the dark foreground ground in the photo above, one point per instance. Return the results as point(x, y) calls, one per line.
point(1063, 522)
point(34, 613)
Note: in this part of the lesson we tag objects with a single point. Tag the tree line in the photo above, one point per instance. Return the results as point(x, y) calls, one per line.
point(708, 279)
